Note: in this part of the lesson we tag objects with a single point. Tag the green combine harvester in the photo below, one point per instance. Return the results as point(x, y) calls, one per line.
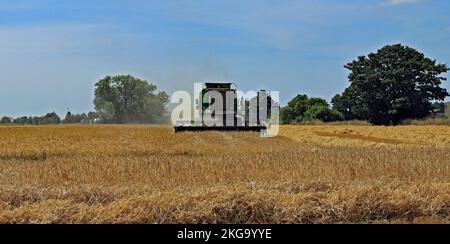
point(228, 116)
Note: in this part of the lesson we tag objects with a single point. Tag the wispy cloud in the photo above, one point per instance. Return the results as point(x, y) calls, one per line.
point(400, 2)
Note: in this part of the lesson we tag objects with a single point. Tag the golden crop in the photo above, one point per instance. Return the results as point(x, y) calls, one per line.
point(145, 174)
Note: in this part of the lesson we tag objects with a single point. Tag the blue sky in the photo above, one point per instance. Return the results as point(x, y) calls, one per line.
point(52, 52)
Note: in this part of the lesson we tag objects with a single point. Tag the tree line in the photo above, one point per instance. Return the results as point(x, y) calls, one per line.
point(118, 99)
point(394, 84)
point(51, 118)
point(387, 87)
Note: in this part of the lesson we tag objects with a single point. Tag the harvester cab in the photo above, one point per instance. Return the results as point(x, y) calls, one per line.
point(218, 108)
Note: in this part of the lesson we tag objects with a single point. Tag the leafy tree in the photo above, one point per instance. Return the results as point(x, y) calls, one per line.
point(297, 107)
point(6, 120)
point(287, 115)
point(314, 101)
point(394, 84)
point(349, 105)
point(50, 118)
point(126, 99)
point(23, 120)
point(341, 104)
point(323, 113)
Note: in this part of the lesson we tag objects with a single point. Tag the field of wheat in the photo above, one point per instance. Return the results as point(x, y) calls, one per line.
point(146, 174)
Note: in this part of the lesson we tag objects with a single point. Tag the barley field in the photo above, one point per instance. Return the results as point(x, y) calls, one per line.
point(146, 174)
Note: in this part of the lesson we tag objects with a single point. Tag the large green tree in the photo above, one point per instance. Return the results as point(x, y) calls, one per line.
point(126, 99)
point(394, 84)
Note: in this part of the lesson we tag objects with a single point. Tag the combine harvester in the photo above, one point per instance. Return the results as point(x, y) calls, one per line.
point(227, 115)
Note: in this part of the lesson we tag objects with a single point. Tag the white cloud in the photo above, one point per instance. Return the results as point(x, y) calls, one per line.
point(382, 4)
point(400, 2)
